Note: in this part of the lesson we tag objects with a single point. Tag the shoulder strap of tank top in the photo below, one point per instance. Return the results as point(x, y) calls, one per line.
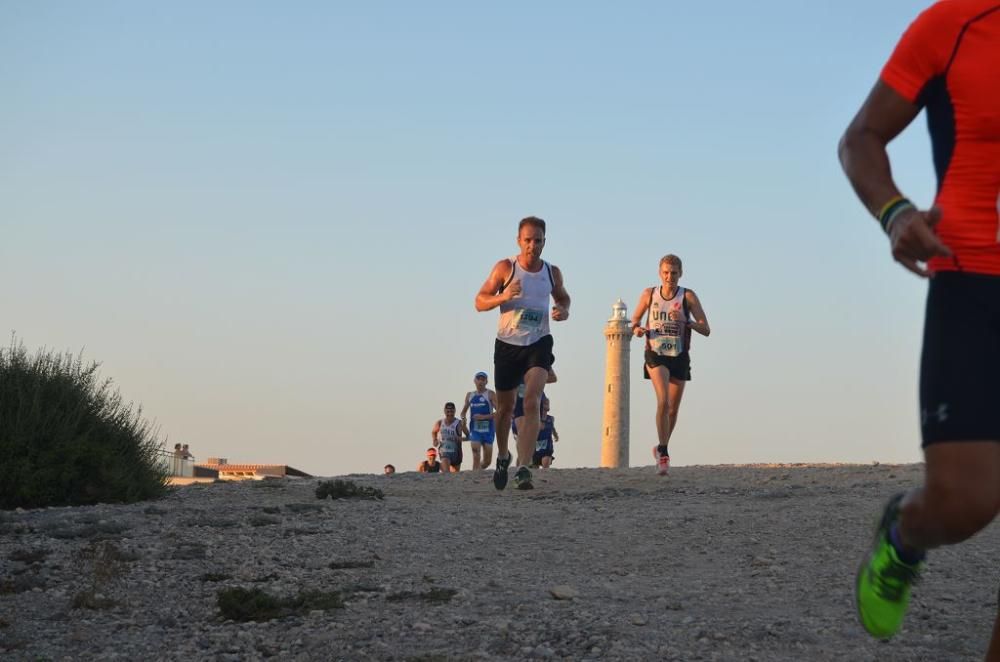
point(513, 264)
point(649, 305)
point(548, 268)
point(684, 302)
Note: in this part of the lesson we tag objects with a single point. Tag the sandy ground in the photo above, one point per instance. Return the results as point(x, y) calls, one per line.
point(710, 563)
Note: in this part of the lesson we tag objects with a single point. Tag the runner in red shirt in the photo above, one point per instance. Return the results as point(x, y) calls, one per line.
point(947, 62)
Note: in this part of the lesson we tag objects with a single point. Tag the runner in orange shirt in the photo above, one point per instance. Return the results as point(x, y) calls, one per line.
point(947, 62)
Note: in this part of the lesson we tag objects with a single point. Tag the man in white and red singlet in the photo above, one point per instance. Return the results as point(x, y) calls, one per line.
point(672, 312)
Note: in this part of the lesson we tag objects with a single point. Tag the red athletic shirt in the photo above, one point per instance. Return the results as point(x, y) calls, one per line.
point(948, 61)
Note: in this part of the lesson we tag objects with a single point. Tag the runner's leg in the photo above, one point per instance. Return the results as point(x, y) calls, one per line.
point(504, 415)
point(660, 377)
point(675, 391)
point(961, 495)
point(476, 448)
point(527, 436)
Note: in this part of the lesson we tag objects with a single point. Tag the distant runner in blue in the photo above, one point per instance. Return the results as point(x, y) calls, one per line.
point(482, 405)
point(547, 435)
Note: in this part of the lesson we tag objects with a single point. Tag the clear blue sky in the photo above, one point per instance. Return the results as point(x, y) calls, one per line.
point(268, 221)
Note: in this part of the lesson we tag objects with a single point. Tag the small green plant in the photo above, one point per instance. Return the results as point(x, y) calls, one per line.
point(37, 555)
point(68, 438)
point(348, 565)
point(346, 489)
point(263, 520)
point(107, 565)
point(241, 604)
point(311, 600)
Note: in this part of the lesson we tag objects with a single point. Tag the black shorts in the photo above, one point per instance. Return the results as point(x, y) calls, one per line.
point(679, 366)
point(536, 459)
point(960, 360)
point(511, 362)
point(454, 458)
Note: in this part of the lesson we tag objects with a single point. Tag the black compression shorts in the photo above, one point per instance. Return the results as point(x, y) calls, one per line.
point(960, 361)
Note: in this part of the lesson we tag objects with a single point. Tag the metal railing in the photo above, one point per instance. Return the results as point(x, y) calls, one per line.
point(176, 465)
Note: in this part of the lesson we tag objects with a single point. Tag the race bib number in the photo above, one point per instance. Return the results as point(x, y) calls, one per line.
point(668, 342)
point(541, 445)
point(450, 447)
point(529, 319)
point(481, 426)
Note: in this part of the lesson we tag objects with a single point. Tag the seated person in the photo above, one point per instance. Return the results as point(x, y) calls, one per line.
point(431, 464)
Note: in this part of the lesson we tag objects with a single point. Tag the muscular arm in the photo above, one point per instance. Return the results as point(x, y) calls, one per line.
point(434, 433)
point(465, 407)
point(640, 310)
point(863, 156)
point(559, 295)
point(489, 295)
point(700, 321)
point(884, 114)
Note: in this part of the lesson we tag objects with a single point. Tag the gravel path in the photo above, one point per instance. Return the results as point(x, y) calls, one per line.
point(711, 563)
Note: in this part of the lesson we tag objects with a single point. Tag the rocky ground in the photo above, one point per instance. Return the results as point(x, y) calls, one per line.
point(711, 563)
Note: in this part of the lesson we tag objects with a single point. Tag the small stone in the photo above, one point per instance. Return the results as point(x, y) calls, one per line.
point(688, 620)
point(422, 627)
point(638, 619)
point(564, 592)
point(544, 652)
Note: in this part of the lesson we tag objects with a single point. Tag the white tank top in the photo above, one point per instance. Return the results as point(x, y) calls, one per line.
point(448, 436)
point(524, 320)
point(664, 336)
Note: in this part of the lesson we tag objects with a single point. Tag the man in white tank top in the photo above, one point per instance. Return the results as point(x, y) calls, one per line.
point(446, 436)
point(521, 287)
point(671, 313)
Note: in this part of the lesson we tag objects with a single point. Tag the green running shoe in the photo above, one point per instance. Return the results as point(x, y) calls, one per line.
point(522, 479)
point(500, 473)
point(882, 590)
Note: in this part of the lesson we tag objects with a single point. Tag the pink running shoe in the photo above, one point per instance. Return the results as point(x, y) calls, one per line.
point(662, 462)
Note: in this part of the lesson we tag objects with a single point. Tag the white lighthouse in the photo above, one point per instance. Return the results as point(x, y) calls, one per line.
point(614, 444)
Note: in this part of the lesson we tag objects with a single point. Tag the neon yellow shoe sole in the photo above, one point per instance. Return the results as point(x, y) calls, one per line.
point(882, 586)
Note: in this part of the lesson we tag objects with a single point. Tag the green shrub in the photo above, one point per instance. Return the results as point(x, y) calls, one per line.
point(67, 438)
point(241, 604)
point(346, 489)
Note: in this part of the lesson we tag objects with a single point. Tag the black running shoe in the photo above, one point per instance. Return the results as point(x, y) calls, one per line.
point(522, 479)
point(500, 473)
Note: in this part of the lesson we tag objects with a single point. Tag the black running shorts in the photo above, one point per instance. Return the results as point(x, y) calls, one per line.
point(510, 362)
point(960, 361)
point(679, 366)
